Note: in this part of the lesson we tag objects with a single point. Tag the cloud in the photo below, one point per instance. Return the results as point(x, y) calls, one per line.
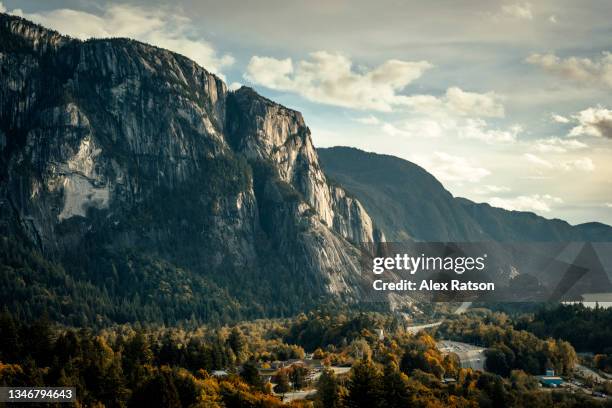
point(491, 188)
point(538, 161)
point(582, 164)
point(593, 122)
point(368, 120)
point(521, 11)
point(496, 189)
point(457, 113)
point(471, 103)
point(151, 25)
point(609, 205)
point(457, 102)
point(2, 8)
point(393, 130)
point(557, 145)
point(559, 118)
point(478, 129)
point(553, 19)
point(330, 79)
point(536, 203)
point(418, 127)
point(583, 70)
point(234, 86)
point(435, 126)
point(447, 167)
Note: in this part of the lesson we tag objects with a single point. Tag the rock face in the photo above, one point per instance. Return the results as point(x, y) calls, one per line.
point(119, 145)
point(265, 131)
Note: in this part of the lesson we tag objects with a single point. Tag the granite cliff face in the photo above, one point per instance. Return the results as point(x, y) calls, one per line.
point(265, 131)
point(111, 146)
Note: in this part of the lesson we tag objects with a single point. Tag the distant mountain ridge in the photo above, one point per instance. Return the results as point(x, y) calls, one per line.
point(407, 202)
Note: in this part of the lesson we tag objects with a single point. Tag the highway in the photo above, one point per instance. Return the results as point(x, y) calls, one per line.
point(415, 329)
point(297, 395)
point(418, 328)
point(470, 356)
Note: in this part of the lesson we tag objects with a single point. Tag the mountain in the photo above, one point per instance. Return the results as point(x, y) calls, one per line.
point(135, 186)
point(407, 202)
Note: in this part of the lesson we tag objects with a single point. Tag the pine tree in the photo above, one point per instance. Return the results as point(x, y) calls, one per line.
point(328, 391)
point(282, 382)
point(394, 387)
point(364, 386)
point(159, 391)
point(136, 354)
point(250, 374)
point(9, 338)
point(238, 344)
point(298, 376)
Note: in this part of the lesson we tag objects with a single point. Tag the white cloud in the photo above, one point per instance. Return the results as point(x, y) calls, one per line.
point(434, 126)
point(584, 70)
point(330, 78)
point(426, 128)
point(557, 145)
point(496, 189)
point(418, 127)
point(457, 102)
point(151, 25)
point(536, 203)
point(559, 118)
point(491, 189)
point(593, 122)
point(582, 164)
point(553, 19)
point(456, 114)
point(2, 8)
point(538, 161)
point(393, 130)
point(518, 10)
point(234, 86)
point(478, 129)
point(609, 205)
point(447, 167)
point(368, 120)
point(471, 103)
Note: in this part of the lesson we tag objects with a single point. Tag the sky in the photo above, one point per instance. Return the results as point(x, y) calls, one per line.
point(504, 102)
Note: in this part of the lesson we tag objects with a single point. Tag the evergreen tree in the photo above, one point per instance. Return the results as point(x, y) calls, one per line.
point(9, 338)
point(250, 374)
point(160, 391)
point(394, 387)
point(328, 391)
point(298, 375)
point(282, 382)
point(364, 386)
point(136, 354)
point(238, 344)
